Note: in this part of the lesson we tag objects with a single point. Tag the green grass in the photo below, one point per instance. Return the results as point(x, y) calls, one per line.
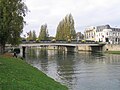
point(16, 74)
point(113, 52)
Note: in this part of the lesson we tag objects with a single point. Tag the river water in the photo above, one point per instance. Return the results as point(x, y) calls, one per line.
point(78, 71)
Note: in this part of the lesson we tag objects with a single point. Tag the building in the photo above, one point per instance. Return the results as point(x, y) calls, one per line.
point(103, 33)
point(90, 33)
point(108, 34)
point(79, 36)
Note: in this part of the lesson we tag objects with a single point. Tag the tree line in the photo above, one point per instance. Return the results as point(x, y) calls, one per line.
point(43, 34)
point(65, 30)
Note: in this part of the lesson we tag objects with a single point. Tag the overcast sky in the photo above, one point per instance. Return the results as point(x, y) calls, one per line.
point(85, 13)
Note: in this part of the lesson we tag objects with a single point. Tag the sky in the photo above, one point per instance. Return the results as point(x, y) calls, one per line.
point(85, 13)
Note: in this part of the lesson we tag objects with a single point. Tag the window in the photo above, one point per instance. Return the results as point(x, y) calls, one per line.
point(107, 39)
point(107, 33)
point(116, 39)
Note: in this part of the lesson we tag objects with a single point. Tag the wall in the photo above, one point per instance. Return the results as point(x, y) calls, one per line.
point(112, 47)
point(84, 48)
point(90, 48)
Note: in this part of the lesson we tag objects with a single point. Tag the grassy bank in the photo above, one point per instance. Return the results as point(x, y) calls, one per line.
point(113, 52)
point(16, 74)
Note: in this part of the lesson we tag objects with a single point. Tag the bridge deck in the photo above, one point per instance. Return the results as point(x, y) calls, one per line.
point(58, 44)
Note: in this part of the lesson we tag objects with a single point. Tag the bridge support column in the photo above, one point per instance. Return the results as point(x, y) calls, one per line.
point(22, 51)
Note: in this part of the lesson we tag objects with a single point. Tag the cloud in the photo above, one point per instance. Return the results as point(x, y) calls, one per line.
point(85, 13)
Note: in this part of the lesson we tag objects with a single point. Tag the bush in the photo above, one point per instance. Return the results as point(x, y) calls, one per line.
point(17, 50)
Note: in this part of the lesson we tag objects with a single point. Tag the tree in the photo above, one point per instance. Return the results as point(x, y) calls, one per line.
point(30, 36)
point(60, 31)
point(66, 29)
point(34, 35)
point(43, 32)
point(11, 21)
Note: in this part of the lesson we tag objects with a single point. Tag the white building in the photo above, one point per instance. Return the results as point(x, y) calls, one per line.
point(107, 34)
point(90, 33)
point(104, 33)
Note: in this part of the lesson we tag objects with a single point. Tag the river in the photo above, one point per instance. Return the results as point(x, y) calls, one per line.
point(78, 71)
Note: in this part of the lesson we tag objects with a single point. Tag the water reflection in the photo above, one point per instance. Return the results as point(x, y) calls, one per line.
point(79, 71)
point(65, 67)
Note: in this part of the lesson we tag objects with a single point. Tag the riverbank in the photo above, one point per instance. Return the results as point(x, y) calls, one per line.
point(16, 74)
point(113, 52)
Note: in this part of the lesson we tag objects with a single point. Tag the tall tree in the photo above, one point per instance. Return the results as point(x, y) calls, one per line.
point(43, 32)
point(11, 21)
point(59, 34)
point(30, 36)
point(66, 29)
point(34, 35)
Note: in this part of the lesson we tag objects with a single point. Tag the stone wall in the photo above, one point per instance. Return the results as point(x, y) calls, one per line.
point(84, 48)
point(112, 47)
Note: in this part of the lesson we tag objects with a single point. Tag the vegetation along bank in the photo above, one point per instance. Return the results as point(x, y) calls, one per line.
point(113, 52)
point(16, 74)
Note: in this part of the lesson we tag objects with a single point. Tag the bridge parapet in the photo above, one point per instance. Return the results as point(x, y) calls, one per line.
point(58, 44)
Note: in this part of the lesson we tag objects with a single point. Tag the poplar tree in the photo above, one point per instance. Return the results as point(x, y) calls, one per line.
point(30, 36)
point(43, 33)
point(66, 29)
point(12, 13)
point(34, 35)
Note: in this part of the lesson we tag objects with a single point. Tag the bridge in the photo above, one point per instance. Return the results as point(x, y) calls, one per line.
point(68, 47)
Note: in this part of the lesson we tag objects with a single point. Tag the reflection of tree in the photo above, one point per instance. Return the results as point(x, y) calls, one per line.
point(43, 57)
point(42, 53)
point(31, 56)
point(38, 58)
point(65, 62)
point(32, 53)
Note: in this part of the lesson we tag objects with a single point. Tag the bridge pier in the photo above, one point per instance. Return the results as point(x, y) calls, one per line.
point(24, 48)
point(22, 51)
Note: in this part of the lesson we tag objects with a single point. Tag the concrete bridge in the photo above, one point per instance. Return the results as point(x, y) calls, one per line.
point(68, 47)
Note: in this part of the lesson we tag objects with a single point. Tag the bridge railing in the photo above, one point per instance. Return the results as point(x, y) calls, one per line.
point(60, 41)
